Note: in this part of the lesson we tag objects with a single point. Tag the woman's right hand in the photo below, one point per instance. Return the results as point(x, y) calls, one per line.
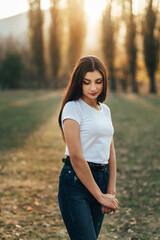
point(109, 201)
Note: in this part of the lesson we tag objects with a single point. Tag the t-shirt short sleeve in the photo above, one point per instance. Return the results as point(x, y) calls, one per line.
point(71, 110)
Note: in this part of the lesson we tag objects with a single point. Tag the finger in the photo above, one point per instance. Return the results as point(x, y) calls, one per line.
point(103, 209)
point(115, 206)
point(116, 203)
point(116, 200)
point(106, 211)
point(109, 212)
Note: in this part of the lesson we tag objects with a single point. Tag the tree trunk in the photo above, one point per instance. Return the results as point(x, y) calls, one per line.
point(112, 82)
point(152, 83)
point(134, 83)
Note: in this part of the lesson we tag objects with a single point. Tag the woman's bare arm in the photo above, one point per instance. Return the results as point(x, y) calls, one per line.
point(113, 170)
point(112, 178)
point(80, 166)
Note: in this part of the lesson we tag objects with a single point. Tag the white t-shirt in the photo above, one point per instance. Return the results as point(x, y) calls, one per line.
point(96, 129)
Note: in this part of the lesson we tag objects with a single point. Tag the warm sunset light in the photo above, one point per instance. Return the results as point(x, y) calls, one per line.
point(94, 8)
point(45, 4)
point(11, 8)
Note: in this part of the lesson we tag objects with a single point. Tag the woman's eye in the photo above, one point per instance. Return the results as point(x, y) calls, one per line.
point(85, 82)
point(99, 82)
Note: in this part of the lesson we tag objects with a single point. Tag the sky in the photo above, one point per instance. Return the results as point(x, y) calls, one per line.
point(93, 8)
point(12, 7)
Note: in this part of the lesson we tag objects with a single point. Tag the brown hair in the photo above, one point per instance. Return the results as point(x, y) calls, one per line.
point(74, 88)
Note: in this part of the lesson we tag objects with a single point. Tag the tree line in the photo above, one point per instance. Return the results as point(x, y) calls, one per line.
point(48, 57)
point(146, 28)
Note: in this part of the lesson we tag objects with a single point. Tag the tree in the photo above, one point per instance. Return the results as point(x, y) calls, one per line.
point(108, 44)
point(77, 30)
point(131, 48)
point(10, 71)
point(36, 39)
point(13, 45)
point(151, 44)
point(55, 40)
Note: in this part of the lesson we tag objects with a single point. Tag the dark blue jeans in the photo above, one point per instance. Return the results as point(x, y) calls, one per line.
point(80, 211)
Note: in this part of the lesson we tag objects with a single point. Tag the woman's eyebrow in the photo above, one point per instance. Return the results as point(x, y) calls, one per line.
point(95, 80)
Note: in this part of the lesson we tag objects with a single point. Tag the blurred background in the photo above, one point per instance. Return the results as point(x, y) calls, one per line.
point(40, 41)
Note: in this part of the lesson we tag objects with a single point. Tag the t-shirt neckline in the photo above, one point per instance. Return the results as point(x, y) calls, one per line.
point(92, 107)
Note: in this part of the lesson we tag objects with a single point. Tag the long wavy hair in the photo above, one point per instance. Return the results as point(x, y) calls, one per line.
point(74, 88)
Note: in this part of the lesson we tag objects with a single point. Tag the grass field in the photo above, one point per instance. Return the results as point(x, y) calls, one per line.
point(31, 149)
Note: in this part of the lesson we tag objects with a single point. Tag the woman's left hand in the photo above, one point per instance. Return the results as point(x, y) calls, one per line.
point(106, 210)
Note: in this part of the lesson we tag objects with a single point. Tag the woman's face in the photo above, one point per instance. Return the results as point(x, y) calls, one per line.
point(92, 85)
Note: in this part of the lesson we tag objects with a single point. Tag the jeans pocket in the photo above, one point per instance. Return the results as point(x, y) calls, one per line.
point(66, 169)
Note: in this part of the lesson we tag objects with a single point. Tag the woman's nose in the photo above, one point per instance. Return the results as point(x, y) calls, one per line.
point(93, 87)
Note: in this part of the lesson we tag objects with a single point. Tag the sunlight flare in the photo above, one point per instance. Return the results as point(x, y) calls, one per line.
point(94, 8)
point(45, 4)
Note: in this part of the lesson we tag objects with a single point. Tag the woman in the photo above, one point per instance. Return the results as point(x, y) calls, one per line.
point(87, 182)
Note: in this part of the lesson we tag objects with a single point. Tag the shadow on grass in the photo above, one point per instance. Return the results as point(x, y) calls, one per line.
point(18, 122)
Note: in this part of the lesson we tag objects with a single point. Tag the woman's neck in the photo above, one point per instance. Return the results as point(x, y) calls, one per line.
point(92, 102)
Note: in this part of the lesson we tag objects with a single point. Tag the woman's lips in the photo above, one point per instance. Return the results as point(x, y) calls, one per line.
point(93, 94)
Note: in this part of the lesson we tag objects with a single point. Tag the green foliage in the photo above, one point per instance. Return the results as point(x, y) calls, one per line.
point(11, 44)
point(11, 70)
point(151, 44)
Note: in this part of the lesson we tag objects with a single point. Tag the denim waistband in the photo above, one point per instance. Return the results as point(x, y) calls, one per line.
point(93, 166)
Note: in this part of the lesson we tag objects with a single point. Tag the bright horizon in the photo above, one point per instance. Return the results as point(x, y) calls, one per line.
point(9, 8)
point(93, 8)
